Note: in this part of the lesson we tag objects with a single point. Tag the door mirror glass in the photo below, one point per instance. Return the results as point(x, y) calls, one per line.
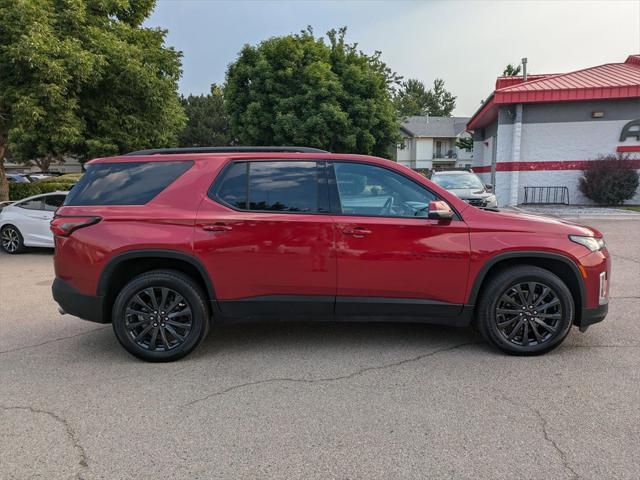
point(439, 210)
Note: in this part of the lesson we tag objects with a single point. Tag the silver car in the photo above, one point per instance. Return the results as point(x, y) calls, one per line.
point(468, 187)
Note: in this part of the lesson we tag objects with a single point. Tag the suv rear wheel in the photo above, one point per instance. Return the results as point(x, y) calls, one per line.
point(160, 316)
point(525, 310)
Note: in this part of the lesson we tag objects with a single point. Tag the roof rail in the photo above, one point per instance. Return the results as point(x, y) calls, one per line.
point(170, 151)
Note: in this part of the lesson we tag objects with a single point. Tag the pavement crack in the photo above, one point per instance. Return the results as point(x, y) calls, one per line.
point(51, 341)
point(347, 376)
point(544, 426)
point(71, 433)
point(553, 443)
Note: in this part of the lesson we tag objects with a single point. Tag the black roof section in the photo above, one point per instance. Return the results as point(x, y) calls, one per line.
point(171, 151)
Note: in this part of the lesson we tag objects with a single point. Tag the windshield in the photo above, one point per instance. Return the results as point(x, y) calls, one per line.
point(458, 181)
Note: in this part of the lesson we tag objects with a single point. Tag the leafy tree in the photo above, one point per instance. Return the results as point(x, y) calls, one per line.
point(207, 123)
point(84, 78)
point(301, 90)
point(414, 99)
point(512, 70)
point(465, 143)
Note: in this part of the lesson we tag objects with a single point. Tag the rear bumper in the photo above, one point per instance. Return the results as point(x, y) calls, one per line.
point(87, 307)
point(592, 315)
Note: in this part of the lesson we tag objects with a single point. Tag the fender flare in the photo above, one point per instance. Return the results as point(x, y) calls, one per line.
point(107, 272)
point(475, 289)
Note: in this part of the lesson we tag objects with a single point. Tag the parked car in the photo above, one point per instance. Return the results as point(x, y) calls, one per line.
point(26, 223)
point(17, 178)
point(467, 186)
point(34, 177)
point(163, 242)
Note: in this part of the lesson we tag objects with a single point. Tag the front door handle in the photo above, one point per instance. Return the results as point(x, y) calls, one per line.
point(356, 231)
point(216, 227)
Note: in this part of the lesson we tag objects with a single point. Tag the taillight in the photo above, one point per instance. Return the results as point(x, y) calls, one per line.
point(64, 226)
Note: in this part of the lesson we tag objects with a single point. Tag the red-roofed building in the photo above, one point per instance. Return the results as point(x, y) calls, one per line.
point(543, 132)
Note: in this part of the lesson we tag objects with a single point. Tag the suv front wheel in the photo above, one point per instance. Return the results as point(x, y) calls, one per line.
point(525, 310)
point(160, 316)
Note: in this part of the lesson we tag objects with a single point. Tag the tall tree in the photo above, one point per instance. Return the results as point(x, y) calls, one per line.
point(302, 90)
point(207, 123)
point(85, 78)
point(414, 99)
point(511, 70)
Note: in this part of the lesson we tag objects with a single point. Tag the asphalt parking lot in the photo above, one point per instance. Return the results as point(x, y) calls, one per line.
point(317, 400)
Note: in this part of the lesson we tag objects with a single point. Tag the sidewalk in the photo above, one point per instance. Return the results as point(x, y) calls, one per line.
point(576, 211)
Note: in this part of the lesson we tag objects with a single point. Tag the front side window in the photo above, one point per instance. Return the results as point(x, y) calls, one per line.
point(278, 186)
point(130, 183)
point(369, 190)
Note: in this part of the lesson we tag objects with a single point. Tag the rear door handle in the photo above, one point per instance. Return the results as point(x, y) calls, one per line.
point(356, 231)
point(217, 227)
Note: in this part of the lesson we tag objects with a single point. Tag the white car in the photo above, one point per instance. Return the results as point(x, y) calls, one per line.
point(25, 223)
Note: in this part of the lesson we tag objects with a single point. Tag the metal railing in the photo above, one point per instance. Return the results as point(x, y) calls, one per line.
point(546, 195)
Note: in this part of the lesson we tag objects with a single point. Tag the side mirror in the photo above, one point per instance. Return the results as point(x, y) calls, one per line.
point(440, 210)
point(489, 187)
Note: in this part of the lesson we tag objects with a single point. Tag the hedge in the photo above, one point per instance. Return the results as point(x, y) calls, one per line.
point(18, 191)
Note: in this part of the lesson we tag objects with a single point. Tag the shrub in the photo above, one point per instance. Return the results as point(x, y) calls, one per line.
point(18, 191)
point(66, 178)
point(609, 180)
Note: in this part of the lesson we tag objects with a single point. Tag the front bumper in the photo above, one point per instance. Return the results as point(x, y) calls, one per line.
point(592, 315)
point(87, 307)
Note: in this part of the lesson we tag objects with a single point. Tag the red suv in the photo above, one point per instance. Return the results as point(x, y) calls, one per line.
point(161, 243)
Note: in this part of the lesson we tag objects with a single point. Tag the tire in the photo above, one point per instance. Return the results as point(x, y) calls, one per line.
point(11, 240)
point(176, 334)
point(504, 323)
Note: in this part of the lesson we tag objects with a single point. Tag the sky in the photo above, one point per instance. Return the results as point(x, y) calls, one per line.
point(466, 43)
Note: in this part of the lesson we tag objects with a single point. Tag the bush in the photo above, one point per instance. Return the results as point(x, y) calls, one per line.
point(18, 191)
point(609, 180)
point(66, 178)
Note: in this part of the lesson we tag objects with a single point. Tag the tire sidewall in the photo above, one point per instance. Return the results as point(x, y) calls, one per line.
point(490, 327)
point(181, 285)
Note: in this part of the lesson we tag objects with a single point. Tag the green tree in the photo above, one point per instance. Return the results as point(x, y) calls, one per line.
point(465, 143)
point(512, 70)
point(207, 123)
point(84, 78)
point(301, 90)
point(414, 99)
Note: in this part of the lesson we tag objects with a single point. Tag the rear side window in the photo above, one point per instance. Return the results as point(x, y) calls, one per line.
point(34, 204)
point(52, 202)
point(131, 183)
point(279, 186)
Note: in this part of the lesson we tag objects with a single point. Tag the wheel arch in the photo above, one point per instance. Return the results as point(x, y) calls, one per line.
point(125, 266)
point(554, 262)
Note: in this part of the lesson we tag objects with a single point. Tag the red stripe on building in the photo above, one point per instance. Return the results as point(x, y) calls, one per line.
point(541, 166)
point(628, 148)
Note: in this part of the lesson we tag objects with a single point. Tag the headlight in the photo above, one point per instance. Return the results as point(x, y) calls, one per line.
point(592, 243)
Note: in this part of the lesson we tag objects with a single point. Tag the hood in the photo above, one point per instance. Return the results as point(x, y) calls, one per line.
point(470, 193)
point(538, 223)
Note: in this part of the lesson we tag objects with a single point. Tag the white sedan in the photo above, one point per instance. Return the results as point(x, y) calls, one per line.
point(25, 223)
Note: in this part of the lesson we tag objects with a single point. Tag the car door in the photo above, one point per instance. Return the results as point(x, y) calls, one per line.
point(266, 236)
point(392, 259)
point(33, 222)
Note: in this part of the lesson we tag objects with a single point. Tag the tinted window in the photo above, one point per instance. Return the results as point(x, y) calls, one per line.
point(283, 186)
point(51, 202)
point(35, 204)
point(280, 186)
point(133, 183)
point(371, 190)
point(233, 188)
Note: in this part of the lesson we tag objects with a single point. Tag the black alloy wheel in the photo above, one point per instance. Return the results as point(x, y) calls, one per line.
point(525, 310)
point(160, 316)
